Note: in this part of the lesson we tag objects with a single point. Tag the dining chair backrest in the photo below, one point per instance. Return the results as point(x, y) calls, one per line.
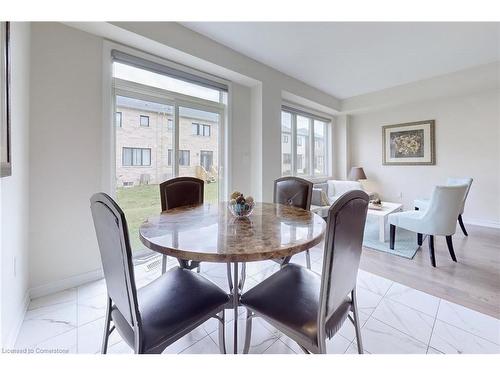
point(444, 207)
point(116, 256)
point(293, 191)
point(451, 181)
point(181, 191)
point(342, 253)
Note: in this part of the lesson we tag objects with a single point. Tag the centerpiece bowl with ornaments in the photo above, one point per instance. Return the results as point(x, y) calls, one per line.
point(241, 206)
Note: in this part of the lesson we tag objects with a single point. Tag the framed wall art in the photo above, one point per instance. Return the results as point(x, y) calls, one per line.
point(5, 100)
point(412, 143)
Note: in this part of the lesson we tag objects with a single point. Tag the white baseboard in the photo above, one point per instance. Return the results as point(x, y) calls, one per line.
point(483, 223)
point(11, 339)
point(70, 282)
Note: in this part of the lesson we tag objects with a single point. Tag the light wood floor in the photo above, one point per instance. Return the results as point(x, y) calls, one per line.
point(474, 281)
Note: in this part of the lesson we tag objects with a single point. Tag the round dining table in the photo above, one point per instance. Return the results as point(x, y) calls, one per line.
point(210, 233)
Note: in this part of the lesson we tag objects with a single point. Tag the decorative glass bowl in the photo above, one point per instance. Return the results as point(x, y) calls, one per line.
point(241, 209)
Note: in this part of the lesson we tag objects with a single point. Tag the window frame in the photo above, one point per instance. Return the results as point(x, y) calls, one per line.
point(200, 129)
point(327, 156)
point(208, 152)
point(195, 125)
point(204, 127)
point(140, 121)
point(188, 158)
point(132, 149)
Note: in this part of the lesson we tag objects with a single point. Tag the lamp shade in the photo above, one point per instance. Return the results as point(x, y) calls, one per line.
point(357, 173)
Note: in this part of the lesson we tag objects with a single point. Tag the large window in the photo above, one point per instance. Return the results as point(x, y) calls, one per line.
point(162, 107)
point(137, 157)
point(307, 154)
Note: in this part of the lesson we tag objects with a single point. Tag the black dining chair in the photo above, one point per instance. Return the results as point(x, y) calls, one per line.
point(178, 192)
point(151, 318)
point(305, 306)
point(296, 192)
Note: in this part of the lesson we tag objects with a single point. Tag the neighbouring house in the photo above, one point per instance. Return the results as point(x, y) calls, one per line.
point(144, 142)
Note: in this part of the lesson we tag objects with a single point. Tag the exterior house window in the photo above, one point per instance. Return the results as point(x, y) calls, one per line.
point(136, 157)
point(118, 119)
point(200, 129)
point(285, 138)
point(170, 125)
point(206, 159)
point(144, 120)
point(184, 158)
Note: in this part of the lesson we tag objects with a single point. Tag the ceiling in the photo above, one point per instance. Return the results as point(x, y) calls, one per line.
point(349, 59)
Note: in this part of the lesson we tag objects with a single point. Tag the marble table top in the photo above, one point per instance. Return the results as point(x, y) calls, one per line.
point(210, 233)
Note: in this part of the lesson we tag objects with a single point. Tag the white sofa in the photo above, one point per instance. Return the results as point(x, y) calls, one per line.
point(332, 190)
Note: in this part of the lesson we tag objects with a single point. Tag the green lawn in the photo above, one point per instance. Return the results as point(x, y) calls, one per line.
point(143, 201)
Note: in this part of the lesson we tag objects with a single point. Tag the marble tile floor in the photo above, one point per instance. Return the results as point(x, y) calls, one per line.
point(395, 319)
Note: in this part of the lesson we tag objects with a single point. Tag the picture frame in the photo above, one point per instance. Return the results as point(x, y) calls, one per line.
point(411, 143)
point(5, 100)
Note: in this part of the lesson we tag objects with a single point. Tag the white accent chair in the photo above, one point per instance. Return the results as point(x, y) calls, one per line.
point(423, 204)
point(439, 219)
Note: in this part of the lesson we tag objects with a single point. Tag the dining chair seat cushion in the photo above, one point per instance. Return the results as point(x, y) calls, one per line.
point(170, 306)
point(289, 299)
point(421, 204)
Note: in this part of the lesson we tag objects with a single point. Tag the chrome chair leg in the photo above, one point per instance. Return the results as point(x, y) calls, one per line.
point(248, 332)
point(235, 306)
point(229, 278)
point(243, 276)
point(107, 332)
point(163, 264)
point(308, 259)
point(222, 332)
point(198, 269)
point(356, 321)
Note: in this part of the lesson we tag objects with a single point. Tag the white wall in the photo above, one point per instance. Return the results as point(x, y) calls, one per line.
point(467, 143)
point(14, 195)
point(67, 132)
point(66, 153)
point(341, 147)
